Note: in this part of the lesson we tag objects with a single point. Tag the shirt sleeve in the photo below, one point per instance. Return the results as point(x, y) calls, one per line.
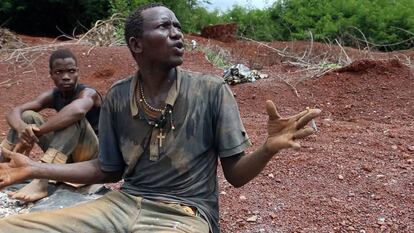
point(110, 156)
point(230, 136)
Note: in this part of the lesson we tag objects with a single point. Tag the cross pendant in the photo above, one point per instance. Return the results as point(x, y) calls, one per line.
point(160, 137)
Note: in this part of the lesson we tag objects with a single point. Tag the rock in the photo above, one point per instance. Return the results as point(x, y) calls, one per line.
point(242, 198)
point(271, 175)
point(367, 168)
point(273, 215)
point(381, 220)
point(341, 177)
point(223, 193)
point(410, 148)
point(334, 199)
point(252, 218)
point(394, 147)
point(351, 228)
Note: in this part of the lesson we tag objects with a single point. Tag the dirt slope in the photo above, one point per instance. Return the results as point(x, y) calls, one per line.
point(354, 175)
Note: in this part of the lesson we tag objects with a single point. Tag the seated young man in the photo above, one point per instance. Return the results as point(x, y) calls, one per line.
point(69, 136)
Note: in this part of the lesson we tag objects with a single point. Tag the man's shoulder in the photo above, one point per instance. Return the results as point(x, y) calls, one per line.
point(198, 77)
point(121, 85)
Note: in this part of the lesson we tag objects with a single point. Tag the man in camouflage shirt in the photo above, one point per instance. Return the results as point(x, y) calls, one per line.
point(162, 130)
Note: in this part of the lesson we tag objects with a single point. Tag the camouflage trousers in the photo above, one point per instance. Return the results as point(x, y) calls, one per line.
point(75, 143)
point(115, 212)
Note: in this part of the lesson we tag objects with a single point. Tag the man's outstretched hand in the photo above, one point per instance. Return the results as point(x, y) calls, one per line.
point(16, 170)
point(282, 132)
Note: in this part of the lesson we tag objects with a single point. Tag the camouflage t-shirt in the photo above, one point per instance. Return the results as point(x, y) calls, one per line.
point(177, 159)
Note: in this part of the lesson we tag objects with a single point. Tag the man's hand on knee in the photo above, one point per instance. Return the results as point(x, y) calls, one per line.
point(28, 136)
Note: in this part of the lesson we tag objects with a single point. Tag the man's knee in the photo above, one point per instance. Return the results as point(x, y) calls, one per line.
point(28, 116)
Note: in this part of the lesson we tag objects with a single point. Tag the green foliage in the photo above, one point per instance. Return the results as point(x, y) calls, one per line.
point(45, 16)
point(382, 22)
point(189, 12)
point(217, 56)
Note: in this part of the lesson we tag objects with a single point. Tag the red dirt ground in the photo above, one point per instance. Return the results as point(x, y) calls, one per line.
point(354, 175)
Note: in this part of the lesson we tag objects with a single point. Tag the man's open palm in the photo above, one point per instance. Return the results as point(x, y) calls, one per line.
point(282, 132)
point(16, 170)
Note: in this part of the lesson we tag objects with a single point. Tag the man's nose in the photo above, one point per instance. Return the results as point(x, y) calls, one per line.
point(65, 76)
point(176, 33)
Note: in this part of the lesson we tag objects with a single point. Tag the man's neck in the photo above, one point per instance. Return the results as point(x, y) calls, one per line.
point(157, 82)
point(68, 94)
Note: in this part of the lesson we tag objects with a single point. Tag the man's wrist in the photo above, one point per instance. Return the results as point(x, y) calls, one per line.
point(268, 151)
point(34, 170)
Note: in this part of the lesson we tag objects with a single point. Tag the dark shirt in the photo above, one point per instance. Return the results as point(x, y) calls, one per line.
point(92, 115)
point(207, 125)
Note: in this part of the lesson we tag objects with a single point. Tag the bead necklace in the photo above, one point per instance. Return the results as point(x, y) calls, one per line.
point(165, 112)
point(142, 99)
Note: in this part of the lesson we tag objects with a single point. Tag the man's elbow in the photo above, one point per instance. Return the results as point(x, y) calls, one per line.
point(236, 182)
point(79, 114)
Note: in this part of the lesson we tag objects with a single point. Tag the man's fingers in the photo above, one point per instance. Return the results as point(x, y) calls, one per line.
point(6, 153)
point(271, 110)
point(32, 135)
point(311, 113)
point(294, 145)
point(302, 133)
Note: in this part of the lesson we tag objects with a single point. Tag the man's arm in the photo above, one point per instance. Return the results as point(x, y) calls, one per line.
point(71, 113)
point(21, 168)
point(282, 133)
point(15, 121)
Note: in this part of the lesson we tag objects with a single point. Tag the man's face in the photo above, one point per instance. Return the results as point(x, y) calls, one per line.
point(162, 39)
point(64, 73)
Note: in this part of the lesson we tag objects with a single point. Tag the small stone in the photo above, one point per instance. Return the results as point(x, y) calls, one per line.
point(252, 218)
point(273, 215)
point(394, 147)
point(223, 193)
point(410, 148)
point(335, 199)
point(341, 177)
point(381, 220)
point(380, 176)
point(367, 168)
point(271, 175)
point(242, 198)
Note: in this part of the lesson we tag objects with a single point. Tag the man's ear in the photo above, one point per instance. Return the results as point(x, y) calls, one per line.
point(135, 45)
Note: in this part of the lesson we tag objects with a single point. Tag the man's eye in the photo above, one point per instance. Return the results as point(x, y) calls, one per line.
point(72, 71)
point(57, 72)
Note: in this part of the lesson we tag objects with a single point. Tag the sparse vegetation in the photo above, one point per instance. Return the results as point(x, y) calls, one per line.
point(372, 24)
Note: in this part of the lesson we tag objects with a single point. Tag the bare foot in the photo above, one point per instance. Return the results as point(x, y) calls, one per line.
point(35, 190)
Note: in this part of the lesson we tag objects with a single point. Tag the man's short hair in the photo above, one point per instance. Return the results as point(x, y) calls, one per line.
point(61, 54)
point(133, 24)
